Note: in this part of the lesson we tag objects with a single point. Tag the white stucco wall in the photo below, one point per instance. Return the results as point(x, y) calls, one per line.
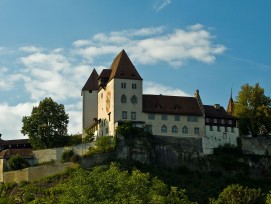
point(89, 108)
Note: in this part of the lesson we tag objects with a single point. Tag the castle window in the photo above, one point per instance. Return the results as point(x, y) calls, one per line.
point(211, 128)
point(164, 129)
point(124, 114)
point(230, 122)
point(196, 130)
point(215, 120)
point(177, 118)
point(174, 129)
point(133, 115)
point(218, 128)
point(123, 85)
point(133, 85)
point(224, 136)
point(151, 116)
point(232, 129)
point(123, 99)
point(134, 99)
point(207, 120)
point(185, 130)
point(192, 118)
point(164, 117)
point(222, 121)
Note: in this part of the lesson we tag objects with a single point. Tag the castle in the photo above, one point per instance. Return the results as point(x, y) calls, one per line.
point(116, 96)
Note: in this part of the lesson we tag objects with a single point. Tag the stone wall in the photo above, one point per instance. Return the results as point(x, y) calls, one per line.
point(259, 145)
point(35, 173)
point(170, 152)
point(46, 155)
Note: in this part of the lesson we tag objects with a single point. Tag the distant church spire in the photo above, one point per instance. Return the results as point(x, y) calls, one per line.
point(230, 109)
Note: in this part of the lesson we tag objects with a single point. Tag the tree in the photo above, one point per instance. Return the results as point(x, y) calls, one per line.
point(46, 125)
point(238, 194)
point(253, 109)
point(17, 162)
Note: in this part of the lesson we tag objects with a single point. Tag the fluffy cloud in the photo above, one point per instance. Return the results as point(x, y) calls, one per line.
point(154, 45)
point(161, 4)
point(30, 49)
point(156, 89)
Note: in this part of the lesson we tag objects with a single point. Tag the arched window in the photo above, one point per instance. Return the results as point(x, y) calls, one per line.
point(123, 99)
point(174, 129)
point(185, 130)
point(164, 129)
point(134, 99)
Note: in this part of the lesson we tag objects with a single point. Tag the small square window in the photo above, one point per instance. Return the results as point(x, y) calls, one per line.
point(218, 128)
point(196, 130)
point(124, 114)
point(123, 85)
point(215, 120)
point(177, 118)
point(133, 115)
point(151, 116)
point(211, 128)
point(133, 85)
point(164, 117)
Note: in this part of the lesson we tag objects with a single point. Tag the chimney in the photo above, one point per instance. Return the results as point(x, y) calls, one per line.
point(217, 106)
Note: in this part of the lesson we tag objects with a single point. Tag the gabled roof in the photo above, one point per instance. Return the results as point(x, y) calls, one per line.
point(171, 105)
point(92, 82)
point(213, 112)
point(123, 68)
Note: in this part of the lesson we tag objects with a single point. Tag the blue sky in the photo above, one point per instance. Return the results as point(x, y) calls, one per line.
point(48, 48)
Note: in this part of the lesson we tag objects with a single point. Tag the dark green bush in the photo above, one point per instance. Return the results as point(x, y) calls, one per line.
point(67, 155)
point(17, 162)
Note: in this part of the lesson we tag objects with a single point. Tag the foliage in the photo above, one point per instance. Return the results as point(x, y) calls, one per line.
point(253, 108)
point(240, 195)
point(67, 155)
point(103, 144)
point(116, 186)
point(268, 198)
point(17, 162)
point(89, 136)
point(46, 125)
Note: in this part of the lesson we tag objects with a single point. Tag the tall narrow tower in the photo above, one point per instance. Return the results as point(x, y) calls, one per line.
point(230, 108)
point(90, 100)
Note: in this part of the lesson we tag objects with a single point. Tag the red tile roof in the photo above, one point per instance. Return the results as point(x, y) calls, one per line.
point(123, 68)
point(171, 105)
point(92, 82)
point(212, 112)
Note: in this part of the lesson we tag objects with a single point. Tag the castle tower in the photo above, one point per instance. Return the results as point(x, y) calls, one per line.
point(230, 108)
point(119, 95)
point(90, 100)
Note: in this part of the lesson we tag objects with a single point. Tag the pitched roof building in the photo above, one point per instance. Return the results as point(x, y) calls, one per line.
point(116, 95)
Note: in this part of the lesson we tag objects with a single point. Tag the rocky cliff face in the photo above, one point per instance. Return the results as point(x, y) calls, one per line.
point(170, 152)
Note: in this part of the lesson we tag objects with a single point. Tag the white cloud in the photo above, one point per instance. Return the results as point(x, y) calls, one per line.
point(30, 49)
point(11, 119)
point(160, 5)
point(156, 89)
point(154, 45)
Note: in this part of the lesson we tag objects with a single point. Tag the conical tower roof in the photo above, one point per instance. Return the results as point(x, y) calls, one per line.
point(92, 82)
point(123, 68)
point(230, 108)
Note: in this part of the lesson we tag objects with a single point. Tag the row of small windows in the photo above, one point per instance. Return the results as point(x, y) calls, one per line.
point(151, 116)
point(125, 115)
point(174, 129)
point(222, 121)
point(123, 85)
point(219, 129)
point(133, 99)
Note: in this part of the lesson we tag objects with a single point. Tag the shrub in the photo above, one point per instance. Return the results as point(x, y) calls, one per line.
point(67, 155)
point(75, 158)
point(17, 162)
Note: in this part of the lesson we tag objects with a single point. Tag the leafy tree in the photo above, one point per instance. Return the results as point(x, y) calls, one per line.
point(67, 155)
point(115, 186)
point(89, 136)
point(253, 109)
point(46, 125)
point(238, 194)
point(17, 162)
